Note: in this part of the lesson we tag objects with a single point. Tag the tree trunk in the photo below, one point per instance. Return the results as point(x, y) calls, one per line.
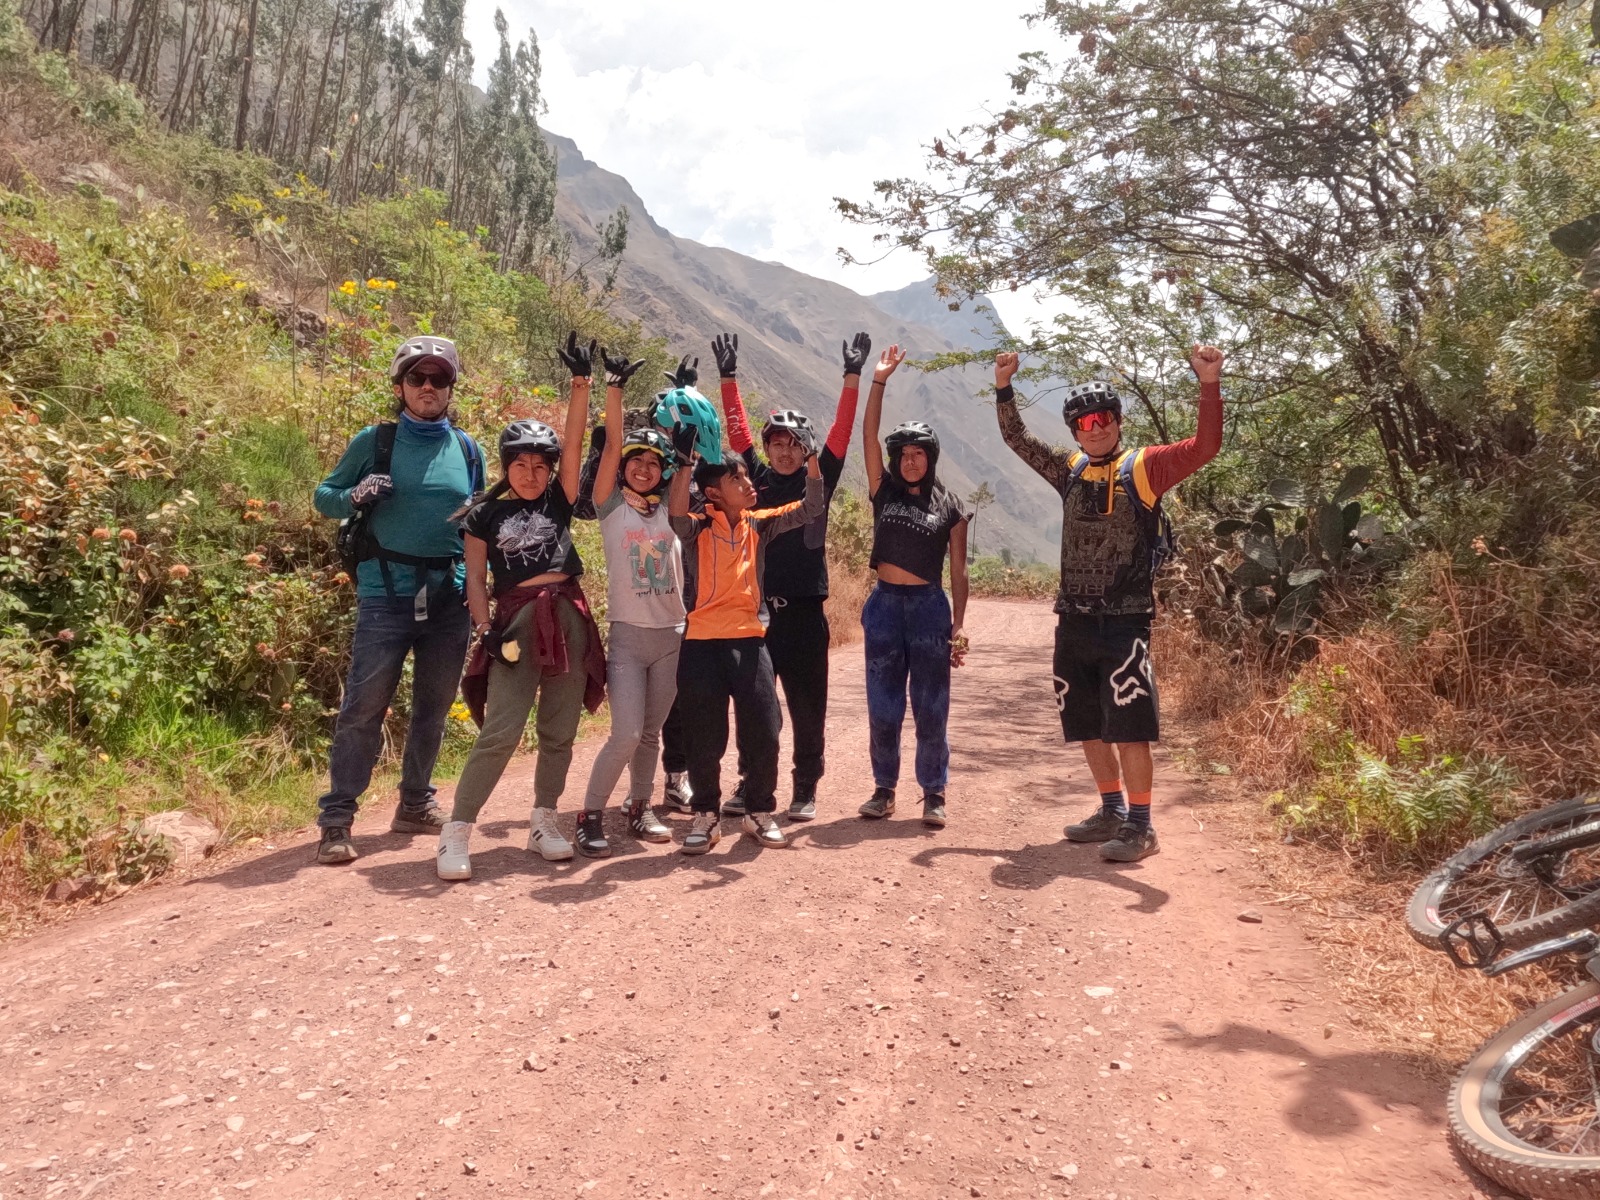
point(241, 123)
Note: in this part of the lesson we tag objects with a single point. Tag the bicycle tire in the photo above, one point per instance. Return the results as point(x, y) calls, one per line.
point(1423, 913)
point(1476, 1125)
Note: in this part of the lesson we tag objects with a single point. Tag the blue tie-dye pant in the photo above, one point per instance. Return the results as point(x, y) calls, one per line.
point(907, 631)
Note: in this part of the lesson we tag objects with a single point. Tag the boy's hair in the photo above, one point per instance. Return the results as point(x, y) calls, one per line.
point(711, 474)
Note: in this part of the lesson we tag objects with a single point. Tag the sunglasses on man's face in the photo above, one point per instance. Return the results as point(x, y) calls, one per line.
point(1094, 420)
point(419, 378)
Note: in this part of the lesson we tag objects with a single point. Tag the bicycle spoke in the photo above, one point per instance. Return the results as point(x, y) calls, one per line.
point(1552, 1099)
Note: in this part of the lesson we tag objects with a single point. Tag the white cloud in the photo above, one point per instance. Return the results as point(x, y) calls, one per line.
point(739, 124)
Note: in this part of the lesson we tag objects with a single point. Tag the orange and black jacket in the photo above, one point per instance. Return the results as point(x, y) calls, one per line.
point(723, 564)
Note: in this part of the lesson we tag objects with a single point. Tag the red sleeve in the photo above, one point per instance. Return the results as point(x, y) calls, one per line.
point(733, 409)
point(1168, 466)
point(844, 420)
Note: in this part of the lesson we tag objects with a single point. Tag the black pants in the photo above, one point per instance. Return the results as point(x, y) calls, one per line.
point(797, 640)
point(674, 757)
point(711, 673)
point(1105, 688)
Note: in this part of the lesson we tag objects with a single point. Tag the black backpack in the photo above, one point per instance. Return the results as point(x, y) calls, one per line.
point(355, 541)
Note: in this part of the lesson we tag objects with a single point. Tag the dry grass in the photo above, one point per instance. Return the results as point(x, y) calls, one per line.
point(847, 592)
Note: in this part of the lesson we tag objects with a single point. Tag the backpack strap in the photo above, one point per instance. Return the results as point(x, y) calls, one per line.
point(475, 470)
point(383, 447)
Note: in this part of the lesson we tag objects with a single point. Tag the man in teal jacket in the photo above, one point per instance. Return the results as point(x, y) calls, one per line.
point(410, 595)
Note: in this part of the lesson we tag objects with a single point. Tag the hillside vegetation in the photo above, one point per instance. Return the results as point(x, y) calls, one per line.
point(173, 622)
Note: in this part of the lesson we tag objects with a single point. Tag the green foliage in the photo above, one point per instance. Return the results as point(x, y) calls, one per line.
point(1412, 801)
point(994, 575)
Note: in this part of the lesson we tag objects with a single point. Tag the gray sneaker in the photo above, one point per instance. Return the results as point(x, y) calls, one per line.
point(881, 805)
point(1101, 827)
point(335, 846)
point(933, 811)
point(644, 824)
point(429, 818)
point(733, 806)
point(1132, 843)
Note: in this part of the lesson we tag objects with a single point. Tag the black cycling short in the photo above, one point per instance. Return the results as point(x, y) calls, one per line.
point(1105, 688)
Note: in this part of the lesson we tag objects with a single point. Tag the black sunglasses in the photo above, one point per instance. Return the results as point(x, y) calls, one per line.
point(419, 378)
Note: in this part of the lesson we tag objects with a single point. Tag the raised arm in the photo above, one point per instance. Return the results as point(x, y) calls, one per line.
point(725, 348)
point(1054, 465)
point(683, 440)
point(871, 447)
point(580, 361)
point(844, 413)
point(618, 371)
point(1167, 466)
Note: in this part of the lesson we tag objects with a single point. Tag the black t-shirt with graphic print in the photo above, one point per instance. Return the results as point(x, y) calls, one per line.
point(526, 537)
point(912, 532)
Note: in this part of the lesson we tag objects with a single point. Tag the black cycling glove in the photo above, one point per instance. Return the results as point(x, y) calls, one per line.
point(578, 359)
point(855, 354)
point(726, 349)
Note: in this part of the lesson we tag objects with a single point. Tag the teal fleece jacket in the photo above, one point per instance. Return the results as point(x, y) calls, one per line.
point(431, 481)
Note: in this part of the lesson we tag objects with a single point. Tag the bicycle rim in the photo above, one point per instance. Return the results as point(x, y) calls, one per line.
point(1526, 1109)
point(1484, 877)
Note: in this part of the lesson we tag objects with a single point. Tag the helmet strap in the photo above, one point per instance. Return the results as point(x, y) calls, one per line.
point(1108, 457)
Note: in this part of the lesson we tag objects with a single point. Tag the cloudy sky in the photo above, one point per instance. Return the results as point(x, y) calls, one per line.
point(738, 124)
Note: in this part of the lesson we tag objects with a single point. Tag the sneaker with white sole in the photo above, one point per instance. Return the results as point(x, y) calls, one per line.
point(544, 837)
point(644, 824)
point(591, 835)
point(734, 805)
point(705, 831)
point(764, 828)
point(881, 805)
point(679, 796)
point(453, 860)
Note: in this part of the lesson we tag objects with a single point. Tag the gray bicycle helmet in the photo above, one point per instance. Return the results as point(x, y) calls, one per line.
point(794, 423)
point(1093, 397)
point(413, 352)
point(529, 437)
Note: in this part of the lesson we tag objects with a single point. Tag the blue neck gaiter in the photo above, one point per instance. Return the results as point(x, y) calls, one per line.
point(424, 428)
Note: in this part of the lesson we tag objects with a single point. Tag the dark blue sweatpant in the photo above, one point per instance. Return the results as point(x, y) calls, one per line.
point(907, 631)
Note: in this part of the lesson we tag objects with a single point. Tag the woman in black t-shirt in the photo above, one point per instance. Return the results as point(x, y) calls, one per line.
point(540, 647)
point(912, 639)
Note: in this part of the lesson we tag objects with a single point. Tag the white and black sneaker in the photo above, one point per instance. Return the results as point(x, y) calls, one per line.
point(764, 828)
point(734, 805)
point(544, 837)
point(591, 835)
point(679, 796)
point(705, 831)
point(644, 824)
point(453, 861)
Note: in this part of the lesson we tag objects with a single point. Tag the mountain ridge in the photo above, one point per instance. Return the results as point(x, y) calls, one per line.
point(791, 326)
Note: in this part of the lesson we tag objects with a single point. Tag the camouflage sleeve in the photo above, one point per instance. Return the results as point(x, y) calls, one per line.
point(1054, 465)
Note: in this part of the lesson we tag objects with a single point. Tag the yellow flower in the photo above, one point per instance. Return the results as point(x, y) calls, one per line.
point(390, 284)
point(281, 193)
point(348, 287)
point(460, 712)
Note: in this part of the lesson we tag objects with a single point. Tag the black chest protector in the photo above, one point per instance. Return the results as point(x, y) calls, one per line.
point(1112, 543)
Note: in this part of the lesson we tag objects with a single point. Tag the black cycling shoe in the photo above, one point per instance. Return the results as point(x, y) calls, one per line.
point(881, 805)
point(1132, 843)
point(1102, 827)
point(429, 818)
point(336, 846)
point(733, 806)
point(933, 810)
point(591, 836)
point(804, 805)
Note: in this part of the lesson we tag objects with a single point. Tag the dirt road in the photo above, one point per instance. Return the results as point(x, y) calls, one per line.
point(880, 1010)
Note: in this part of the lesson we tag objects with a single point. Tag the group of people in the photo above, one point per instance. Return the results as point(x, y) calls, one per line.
point(717, 575)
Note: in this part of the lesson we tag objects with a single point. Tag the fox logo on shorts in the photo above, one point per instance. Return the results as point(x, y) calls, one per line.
point(1061, 693)
point(1132, 679)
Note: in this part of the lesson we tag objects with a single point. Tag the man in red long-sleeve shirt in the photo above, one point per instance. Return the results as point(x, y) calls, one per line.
point(797, 564)
point(1110, 532)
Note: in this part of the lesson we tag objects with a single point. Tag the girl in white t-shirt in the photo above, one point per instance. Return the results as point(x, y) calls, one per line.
point(644, 597)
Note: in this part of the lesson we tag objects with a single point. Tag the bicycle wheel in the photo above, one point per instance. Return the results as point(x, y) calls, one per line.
point(1524, 1110)
point(1526, 909)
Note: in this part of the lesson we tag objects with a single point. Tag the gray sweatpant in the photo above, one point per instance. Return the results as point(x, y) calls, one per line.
point(514, 691)
point(641, 680)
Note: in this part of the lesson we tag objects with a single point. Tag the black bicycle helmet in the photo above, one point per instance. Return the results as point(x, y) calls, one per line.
point(650, 441)
point(529, 437)
point(912, 433)
point(1093, 397)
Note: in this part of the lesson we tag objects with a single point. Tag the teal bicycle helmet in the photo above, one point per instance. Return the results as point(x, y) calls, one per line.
point(686, 406)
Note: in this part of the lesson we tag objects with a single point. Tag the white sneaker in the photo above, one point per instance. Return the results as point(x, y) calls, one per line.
point(453, 861)
point(678, 792)
point(544, 838)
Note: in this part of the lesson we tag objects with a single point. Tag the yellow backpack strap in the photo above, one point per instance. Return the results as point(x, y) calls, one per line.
point(1130, 466)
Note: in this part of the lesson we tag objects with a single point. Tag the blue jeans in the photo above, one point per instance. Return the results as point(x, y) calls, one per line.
point(907, 631)
point(386, 631)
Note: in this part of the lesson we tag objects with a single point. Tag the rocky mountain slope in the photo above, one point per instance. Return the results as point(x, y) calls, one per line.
point(790, 326)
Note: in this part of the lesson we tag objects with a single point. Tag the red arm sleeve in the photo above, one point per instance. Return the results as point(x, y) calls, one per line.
point(1168, 466)
point(844, 420)
point(733, 409)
